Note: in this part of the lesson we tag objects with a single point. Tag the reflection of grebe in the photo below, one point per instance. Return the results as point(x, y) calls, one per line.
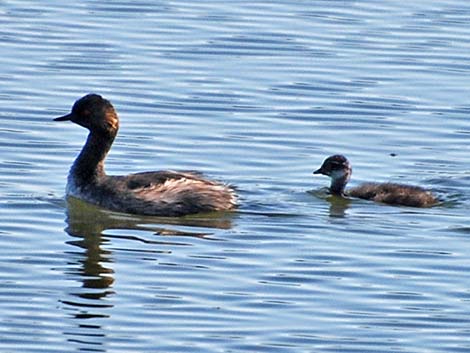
point(339, 169)
point(162, 193)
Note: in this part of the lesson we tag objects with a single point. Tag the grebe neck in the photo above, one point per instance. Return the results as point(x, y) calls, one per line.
point(338, 185)
point(89, 165)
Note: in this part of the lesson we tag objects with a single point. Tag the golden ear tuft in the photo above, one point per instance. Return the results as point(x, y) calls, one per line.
point(112, 119)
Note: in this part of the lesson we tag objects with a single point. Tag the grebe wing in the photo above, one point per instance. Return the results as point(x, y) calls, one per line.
point(144, 180)
point(184, 190)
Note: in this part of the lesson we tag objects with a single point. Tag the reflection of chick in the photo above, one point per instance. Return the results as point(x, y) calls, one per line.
point(339, 169)
point(163, 193)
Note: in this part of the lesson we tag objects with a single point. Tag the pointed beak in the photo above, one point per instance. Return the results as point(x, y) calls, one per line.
point(318, 171)
point(64, 117)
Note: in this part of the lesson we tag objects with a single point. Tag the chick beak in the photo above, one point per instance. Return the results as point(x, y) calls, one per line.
point(319, 171)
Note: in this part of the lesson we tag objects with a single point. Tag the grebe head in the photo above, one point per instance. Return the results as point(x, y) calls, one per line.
point(94, 113)
point(336, 166)
point(339, 169)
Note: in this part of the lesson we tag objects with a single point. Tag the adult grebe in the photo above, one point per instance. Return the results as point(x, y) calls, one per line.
point(339, 169)
point(162, 193)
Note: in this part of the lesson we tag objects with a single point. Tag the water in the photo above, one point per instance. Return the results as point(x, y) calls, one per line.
point(257, 95)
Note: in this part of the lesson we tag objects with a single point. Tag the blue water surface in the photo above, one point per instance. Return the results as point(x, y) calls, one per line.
point(255, 94)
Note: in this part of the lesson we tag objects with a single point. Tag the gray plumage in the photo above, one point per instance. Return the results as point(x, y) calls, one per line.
point(394, 194)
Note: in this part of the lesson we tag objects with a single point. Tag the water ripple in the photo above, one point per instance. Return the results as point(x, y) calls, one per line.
point(255, 94)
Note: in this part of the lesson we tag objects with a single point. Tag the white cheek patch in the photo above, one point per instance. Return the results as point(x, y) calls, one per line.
point(337, 174)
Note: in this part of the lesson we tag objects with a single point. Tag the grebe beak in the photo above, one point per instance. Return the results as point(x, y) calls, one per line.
point(318, 171)
point(64, 118)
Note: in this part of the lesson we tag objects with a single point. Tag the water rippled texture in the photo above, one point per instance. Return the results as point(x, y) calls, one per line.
point(255, 94)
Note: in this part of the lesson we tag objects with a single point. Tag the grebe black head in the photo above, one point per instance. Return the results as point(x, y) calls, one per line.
point(339, 169)
point(162, 193)
point(94, 113)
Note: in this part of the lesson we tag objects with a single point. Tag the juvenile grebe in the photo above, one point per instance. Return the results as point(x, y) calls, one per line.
point(162, 193)
point(339, 169)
